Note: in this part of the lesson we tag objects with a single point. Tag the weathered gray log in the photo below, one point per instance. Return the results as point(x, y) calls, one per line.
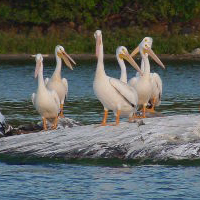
point(157, 139)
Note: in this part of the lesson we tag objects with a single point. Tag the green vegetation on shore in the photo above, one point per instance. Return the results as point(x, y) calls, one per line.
point(84, 43)
point(40, 25)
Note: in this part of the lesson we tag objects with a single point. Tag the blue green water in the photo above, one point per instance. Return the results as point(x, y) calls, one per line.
point(181, 83)
point(62, 181)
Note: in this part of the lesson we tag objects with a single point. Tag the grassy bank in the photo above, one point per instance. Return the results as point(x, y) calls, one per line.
point(35, 41)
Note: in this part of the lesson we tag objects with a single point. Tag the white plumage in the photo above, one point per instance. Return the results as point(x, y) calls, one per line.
point(45, 101)
point(156, 95)
point(112, 93)
point(148, 86)
point(60, 85)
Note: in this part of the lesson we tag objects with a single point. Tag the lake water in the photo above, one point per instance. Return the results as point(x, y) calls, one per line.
point(64, 181)
point(181, 82)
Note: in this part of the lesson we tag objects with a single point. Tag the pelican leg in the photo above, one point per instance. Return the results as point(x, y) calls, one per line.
point(55, 124)
point(144, 110)
point(103, 123)
point(118, 117)
point(132, 118)
point(106, 116)
point(44, 123)
point(152, 110)
point(61, 111)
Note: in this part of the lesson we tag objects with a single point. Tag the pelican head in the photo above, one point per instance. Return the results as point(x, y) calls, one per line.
point(145, 45)
point(145, 49)
point(60, 52)
point(122, 53)
point(98, 37)
point(147, 41)
point(39, 62)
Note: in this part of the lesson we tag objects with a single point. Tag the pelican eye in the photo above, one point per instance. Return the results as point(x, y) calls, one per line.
point(145, 40)
point(123, 50)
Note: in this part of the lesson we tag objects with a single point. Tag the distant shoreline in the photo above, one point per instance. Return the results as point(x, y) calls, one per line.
point(189, 56)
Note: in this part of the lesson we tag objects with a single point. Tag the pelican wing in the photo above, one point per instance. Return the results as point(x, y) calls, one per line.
point(156, 78)
point(125, 90)
point(133, 81)
point(46, 81)
point(55, 97)
point(65, 83)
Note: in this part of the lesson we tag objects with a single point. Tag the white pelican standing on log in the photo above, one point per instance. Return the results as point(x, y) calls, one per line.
point(45, 101)
point(60, 85)
point(113, 93)
point(145, 85)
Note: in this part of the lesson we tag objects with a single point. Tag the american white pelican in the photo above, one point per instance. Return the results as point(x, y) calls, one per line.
point(155, 98)
point(145, 85)
point(60, 85)
point(113, 93)
point(45, 101)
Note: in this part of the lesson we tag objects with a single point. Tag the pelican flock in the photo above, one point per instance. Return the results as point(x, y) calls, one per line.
point(56, 82)
point(114, 94)
point(46, 101)
point(118, 95)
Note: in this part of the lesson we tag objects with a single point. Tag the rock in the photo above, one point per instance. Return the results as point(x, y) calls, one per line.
point(156, 139)
point(32, 128)
point(5, 129)
point(196, 51)
point(62, 123)
point(2, 125)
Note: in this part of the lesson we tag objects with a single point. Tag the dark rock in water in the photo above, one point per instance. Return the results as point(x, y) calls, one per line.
point(2, 125)
point(67, 122)
point(8, 130)
point(150, 114)
point(62, 123)
point(5, 129)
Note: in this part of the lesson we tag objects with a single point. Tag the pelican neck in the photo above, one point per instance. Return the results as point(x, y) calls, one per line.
point(100, 64)
point(122, 65)
point(57, 72)
point(41, 83)
point(146, 64)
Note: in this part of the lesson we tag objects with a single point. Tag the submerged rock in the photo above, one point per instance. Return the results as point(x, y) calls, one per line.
point(5, 129)
point(8, 130)
point(157, 139)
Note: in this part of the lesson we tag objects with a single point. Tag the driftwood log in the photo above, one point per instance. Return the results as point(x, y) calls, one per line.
point(157, 140)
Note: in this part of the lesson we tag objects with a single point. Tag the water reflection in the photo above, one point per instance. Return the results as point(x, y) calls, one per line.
point(180, 89)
